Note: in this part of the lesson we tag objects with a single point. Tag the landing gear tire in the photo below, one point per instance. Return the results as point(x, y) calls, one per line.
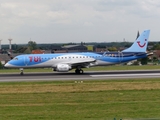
point(79, 71)
point(21, 73)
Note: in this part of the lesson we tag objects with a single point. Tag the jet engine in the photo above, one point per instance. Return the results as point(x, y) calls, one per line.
point(63, 68)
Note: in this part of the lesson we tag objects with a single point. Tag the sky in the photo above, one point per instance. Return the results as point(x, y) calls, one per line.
point(63, 21)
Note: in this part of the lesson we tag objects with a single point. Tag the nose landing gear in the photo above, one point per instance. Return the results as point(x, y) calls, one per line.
point(21, 73)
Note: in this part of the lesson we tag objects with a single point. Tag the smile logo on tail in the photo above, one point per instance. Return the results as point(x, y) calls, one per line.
point(142, 45)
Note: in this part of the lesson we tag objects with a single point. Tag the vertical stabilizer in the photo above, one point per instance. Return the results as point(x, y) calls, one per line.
point(140, 44)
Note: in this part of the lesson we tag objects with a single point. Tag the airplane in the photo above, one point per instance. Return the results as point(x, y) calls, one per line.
point(64, 62)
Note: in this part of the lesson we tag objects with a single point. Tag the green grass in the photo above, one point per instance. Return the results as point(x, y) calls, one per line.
point(102, 68)
point(90, 100)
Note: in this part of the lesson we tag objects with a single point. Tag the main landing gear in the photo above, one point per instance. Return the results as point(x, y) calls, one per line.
point(21, 73)
point(79, 71)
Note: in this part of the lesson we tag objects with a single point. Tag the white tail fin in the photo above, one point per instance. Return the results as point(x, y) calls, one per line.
point(140, 45)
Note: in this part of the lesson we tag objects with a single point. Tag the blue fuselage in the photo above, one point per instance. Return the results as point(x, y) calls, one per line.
point(73, 59)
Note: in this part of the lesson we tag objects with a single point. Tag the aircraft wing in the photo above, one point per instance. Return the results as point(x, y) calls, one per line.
point(82, 63)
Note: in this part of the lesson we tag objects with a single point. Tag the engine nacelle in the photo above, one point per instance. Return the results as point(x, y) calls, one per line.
point(63, 68)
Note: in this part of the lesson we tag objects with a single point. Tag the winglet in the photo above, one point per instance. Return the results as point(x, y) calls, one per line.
point(140, 45)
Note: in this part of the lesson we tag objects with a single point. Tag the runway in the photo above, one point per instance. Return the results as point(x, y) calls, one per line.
point(88, 75)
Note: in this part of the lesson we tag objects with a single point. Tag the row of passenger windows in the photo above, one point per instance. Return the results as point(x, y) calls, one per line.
point(75, 57)
point(110, 55)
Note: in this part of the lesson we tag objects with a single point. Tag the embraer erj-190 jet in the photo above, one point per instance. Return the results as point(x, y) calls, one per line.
point(64, 62)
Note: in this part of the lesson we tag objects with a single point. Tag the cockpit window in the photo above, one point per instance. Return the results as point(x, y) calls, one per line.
point(15, 58)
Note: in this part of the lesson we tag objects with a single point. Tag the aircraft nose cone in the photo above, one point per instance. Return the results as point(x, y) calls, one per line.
point(7, 65)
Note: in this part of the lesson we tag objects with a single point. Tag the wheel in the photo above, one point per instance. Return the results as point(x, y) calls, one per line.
point(21, 69)
point(77, 71)
point(21, 73)
point(81, 71)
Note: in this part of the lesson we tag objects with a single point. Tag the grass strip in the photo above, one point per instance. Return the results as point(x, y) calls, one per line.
point(87, 100)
